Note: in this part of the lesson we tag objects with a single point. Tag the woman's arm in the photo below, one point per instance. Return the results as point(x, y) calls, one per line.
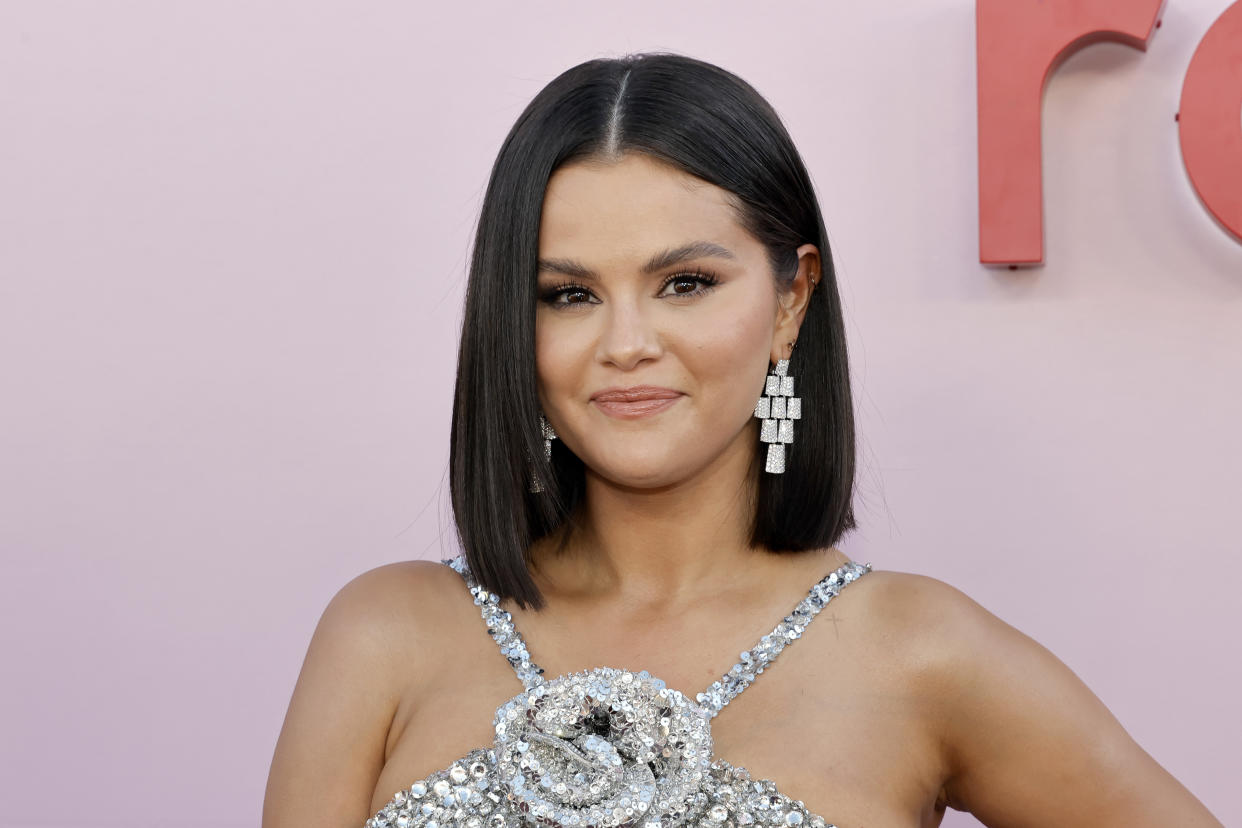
point(1028, 743)
point(331, 748)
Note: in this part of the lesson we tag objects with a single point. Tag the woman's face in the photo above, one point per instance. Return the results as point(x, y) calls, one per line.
point(614, 312)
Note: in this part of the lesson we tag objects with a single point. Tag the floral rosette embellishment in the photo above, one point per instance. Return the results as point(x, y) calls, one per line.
point(603, 748)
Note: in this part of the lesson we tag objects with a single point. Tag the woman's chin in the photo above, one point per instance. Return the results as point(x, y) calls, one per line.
point(656, 474)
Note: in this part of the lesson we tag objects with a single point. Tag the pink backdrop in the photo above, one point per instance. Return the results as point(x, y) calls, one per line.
point(233, 244)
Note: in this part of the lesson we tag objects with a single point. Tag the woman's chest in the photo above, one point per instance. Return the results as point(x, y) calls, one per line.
point(849, 741)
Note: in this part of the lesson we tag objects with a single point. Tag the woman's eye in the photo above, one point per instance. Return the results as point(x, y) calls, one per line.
point(689, 284)
point(566, 295)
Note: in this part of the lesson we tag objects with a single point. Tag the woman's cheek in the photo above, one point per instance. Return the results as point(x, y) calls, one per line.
point(562, 355)
point(736, 337)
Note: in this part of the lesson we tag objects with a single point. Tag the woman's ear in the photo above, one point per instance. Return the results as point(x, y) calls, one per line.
point(792, 303)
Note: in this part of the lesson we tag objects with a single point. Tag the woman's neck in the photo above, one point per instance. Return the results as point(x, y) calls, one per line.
point(660, 549)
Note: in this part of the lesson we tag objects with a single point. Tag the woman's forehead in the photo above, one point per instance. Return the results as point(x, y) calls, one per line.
point(637, 203)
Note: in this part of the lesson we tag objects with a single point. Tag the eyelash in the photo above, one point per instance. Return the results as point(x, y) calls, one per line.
point(705, 279)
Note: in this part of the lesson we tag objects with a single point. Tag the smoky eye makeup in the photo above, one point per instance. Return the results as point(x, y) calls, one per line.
point(551, 295)
point(560, 294)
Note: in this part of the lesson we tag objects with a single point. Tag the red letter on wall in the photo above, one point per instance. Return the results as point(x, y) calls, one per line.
point(1020, 43)
point(1211, 120)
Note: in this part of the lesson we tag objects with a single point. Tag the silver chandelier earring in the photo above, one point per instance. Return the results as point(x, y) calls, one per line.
point(549, 434)
point(778, 408)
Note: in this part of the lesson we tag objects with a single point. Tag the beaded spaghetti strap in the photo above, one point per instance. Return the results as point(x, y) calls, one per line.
point(500, 625)
point(756, 659)
point(753, 662)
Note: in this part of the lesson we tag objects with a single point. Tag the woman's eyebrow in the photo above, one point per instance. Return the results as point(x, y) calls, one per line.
point(661, 260)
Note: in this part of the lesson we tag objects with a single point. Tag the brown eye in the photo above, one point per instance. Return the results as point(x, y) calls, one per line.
point(558, 295)
point(698, 283)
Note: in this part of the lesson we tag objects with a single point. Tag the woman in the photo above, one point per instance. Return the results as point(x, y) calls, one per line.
point(652, 459)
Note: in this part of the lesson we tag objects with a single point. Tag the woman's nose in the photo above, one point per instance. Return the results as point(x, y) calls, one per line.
point(629, 336)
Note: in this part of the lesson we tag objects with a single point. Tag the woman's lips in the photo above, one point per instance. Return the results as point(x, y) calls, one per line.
point(633, 409)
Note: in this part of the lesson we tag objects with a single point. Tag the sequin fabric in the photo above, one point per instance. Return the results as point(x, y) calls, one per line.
point(608, 748)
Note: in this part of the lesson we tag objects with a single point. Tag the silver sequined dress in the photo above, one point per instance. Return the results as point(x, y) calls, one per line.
point(608, 748)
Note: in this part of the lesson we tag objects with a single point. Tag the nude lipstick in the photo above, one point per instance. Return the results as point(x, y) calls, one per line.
point(635, 401)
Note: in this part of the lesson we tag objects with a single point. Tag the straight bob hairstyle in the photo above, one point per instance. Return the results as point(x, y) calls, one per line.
point(715, 126)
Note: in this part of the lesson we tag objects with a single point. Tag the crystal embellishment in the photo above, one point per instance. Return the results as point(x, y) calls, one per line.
point(603, 747)
point(608, 748)
point(777, 408)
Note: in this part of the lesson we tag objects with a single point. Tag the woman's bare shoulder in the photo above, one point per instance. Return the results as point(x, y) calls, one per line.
point(949, 643)
point(1014, 721)
point(919, 611)
point(374, 642)
point(394, 582)
point(385, 627)
point(404, 601)
point(909, 598)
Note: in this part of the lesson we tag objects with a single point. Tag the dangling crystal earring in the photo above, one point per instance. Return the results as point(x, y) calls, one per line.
point(545, 428)
point(778, 408)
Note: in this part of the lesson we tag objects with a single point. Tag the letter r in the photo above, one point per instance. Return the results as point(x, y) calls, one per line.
point(1019, 44)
